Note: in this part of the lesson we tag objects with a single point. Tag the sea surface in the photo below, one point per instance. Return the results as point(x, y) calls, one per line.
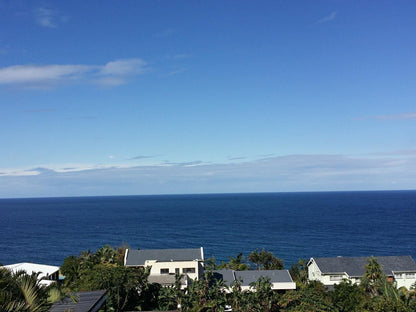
point(291, 225)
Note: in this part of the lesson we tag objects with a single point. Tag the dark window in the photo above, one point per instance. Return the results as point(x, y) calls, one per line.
point(164, 271)
point(188, 270)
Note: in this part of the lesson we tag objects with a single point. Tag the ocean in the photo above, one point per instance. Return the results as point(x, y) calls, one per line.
point(291, 225)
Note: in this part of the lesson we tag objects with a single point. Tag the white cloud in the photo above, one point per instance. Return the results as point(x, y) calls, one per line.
point(45, 17)
point(111, 74)
point(123, 67)
point(281, 173)
point(328, 18)
point(21, 74)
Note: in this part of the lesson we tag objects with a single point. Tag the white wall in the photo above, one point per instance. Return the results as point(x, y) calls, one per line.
point(405, 279)
point(173, 265)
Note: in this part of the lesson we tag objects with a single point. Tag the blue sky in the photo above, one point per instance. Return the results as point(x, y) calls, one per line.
point(157, 97)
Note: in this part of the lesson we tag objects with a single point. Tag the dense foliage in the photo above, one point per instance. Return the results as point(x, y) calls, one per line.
point(21, 292)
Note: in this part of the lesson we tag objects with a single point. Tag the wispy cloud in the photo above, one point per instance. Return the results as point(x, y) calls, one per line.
point(237, 158)
point(400, 153)
point(176, 71)
point(113, 73)
point(21, 74)
point(404, 116)
point(328, 18)
point(142, 157)
point(46, 17)
point(279, 173)
point(117, 72)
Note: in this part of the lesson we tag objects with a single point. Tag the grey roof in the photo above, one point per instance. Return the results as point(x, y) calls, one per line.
point(227, 276)
point(275, 276)
point(248, 277)
point(355, 266)
point(87, 301)
point(139, 257)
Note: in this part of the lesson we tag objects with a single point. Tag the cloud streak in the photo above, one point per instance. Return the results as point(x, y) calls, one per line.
point(274, 174)
point(404, 116)
point(328, 18)
point(112, 73)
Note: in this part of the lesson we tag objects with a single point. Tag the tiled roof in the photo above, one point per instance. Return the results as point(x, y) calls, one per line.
point(139, 257)
point(355, 266)
point(88, 301)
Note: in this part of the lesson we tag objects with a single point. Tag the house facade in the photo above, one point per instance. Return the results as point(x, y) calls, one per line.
point(279, 279)
point(166, 263)
point(331, 271)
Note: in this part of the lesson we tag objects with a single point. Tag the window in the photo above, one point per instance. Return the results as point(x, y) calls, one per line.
point(177, 271)
point(410, 275)
point(188, 270)
point(397, 275)
point(335, 277)
point(164, 271)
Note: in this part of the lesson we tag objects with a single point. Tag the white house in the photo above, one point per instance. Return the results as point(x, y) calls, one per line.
point(331, 271)
point(166, 263)
point(280, 279)
point(47, 274)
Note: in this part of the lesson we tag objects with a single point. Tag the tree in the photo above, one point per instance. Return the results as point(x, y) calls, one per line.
point(373, 277)
point(169, 298)
point(206, 294)
point(265, 260)
point(210, 264)
point(313, 297)
point(299, 272)
point(236, 263)
point(347, 296)
point(263, 297)
point(127, 287)
point(22, 292)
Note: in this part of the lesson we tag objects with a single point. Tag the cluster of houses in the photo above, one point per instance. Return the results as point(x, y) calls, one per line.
point(166, 264)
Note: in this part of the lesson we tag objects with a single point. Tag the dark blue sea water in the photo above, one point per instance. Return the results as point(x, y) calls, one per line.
point(291, 225)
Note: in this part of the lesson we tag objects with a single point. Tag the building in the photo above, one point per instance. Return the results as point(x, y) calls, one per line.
point(166, 263)
point(47, 274)
point(280, 279)
point(331, 271)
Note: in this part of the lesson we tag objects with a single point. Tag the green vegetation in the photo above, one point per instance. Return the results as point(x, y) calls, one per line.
point(129, 290)
point(21, 292)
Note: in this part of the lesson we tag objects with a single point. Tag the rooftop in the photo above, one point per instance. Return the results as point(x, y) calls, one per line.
point(139, 257)
point(87, 301)
point(252, 276)
point(355, 266)
point(29, 268)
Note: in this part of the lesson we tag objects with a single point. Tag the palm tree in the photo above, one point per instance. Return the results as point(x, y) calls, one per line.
point(236, 263)
point(265, 260)
point(22, 292)
point(373, 277)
